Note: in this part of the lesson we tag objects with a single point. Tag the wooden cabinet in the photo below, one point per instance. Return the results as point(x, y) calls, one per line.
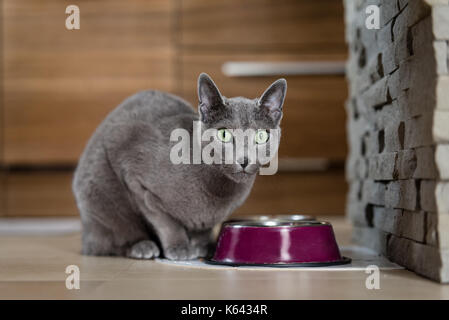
point(306, 26)
point(216, 32)
point(2, 194)
point(39, 193)
point(48, 193)
point(314, 118)
point(59, 84)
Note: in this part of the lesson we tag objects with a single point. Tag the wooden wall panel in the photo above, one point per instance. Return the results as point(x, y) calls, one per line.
point(39, 193)
point(314, 116)
point(315, 193)
point(48, 193)
point(302, 25)
point(2, 194)
point(59, 84)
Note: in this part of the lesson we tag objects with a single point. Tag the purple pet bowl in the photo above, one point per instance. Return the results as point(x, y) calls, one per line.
point(287, 217)
point(277, 243)
point(294, 217)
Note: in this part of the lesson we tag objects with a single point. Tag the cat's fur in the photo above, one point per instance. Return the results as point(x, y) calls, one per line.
point(134, 202)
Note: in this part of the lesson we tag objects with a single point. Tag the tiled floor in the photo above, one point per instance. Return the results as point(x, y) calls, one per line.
point(34, 267)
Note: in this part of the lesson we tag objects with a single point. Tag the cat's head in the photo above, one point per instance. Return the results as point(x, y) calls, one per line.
point(246, 130)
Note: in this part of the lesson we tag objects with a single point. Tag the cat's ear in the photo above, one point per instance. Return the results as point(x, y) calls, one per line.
point(272, 100)
point(210, 100)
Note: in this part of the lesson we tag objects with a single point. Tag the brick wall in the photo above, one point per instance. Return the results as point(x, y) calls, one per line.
point(398, 132)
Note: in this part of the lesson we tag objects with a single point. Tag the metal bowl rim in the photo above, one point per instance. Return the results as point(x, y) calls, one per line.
point(275, 223)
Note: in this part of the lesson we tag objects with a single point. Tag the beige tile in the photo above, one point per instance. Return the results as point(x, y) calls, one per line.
point(44, 290)
point(34, 268)
point(46, 259)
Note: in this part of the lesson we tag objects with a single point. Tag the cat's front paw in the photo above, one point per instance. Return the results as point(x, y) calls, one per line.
point(145, 249)
point(201, 251)
point(181, 252)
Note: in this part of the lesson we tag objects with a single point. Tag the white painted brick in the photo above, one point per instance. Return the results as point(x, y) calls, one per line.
point(432, 229)
point(437, 2)
point(418, 131)
point(357, 129)
point(377, 94)
point(390, 114)
point(443, 234)
point(350, 16)
point(442, 197)
point(386, 219)
point(351, 109)
point(400, 27)
point(443, 93)
point(388, 10)
point(400, 36)
point(427, 195)
point(394, 85)
point(355, 190)
point(402, 4)
point(356, 213)
point(442, 160)
point(422, 72)
point(372, 143)
point(422, 37)
point(440, 16)
point(373, 192)
point(368, 39)
point(375, 68)
point(406, 164)
point(356, 168)
point(441, 126)
point(382, 166)
point(362, 82)
point(372, 72)
point(421, 101)
point(352, 67)
point(401, 194)
point(426, 167)
point(423, 259)
point(362, 107)
point(405, 73)
point(394, 137)
point(407, 99)
point(401, 50)
point(384, 36)
point(388, 59)
point(440, 48)
point(417, 10)
point(418, 73)
point(412, 225)
point(412, 104)
point(362, 4)
point(362, 168)
point(371, 238)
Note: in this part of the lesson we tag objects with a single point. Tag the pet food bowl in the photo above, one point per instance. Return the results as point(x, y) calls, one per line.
point(277, 243)
point(294, 217)
point(248, 218)
point(286, 217)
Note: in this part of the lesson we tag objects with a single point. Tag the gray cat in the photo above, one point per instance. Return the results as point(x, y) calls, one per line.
point(135, 202)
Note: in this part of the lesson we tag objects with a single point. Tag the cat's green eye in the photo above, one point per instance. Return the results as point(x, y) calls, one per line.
point(261, 136)
point(224, 135)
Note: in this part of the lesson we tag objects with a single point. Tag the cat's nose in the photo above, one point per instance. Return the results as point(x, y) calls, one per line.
point(244, 163)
